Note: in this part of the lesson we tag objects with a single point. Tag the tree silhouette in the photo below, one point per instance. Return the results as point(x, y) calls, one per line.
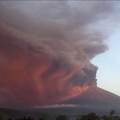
point(41, 118)
point(1, 117)
point(112, 112)
point(62, 117)
point(110, 116)
point(90, 116)
point(8, 119)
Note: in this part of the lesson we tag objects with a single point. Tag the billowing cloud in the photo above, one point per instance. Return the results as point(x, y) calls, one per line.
point(46, 48)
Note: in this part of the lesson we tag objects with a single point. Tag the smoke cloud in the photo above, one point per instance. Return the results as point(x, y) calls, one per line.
point(46, 48)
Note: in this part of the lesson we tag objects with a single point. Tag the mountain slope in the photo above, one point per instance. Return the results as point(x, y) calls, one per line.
point(97, 98)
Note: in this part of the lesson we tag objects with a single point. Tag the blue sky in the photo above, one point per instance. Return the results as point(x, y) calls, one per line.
point(109, 65)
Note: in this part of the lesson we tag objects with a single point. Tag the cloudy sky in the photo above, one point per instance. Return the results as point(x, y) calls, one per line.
point(109, 65)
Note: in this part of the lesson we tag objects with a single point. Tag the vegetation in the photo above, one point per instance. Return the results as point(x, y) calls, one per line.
point(62, 117)
point(89, 116)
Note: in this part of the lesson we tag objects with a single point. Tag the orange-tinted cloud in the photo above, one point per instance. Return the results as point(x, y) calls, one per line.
point(27, 79)
point(45, 52)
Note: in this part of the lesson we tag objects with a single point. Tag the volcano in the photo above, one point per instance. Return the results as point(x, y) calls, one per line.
point(96, 97)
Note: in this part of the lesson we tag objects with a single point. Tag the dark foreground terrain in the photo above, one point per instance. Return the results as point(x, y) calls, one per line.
point(12, 114)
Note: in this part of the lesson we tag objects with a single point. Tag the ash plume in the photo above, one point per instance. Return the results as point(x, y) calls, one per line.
point(46, 48)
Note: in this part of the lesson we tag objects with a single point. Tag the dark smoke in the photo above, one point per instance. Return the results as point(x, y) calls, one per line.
point(46, 48)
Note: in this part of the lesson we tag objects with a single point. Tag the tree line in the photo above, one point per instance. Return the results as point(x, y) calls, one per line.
point(89, 116)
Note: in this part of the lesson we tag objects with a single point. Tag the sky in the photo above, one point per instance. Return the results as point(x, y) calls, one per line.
point(108, 74)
